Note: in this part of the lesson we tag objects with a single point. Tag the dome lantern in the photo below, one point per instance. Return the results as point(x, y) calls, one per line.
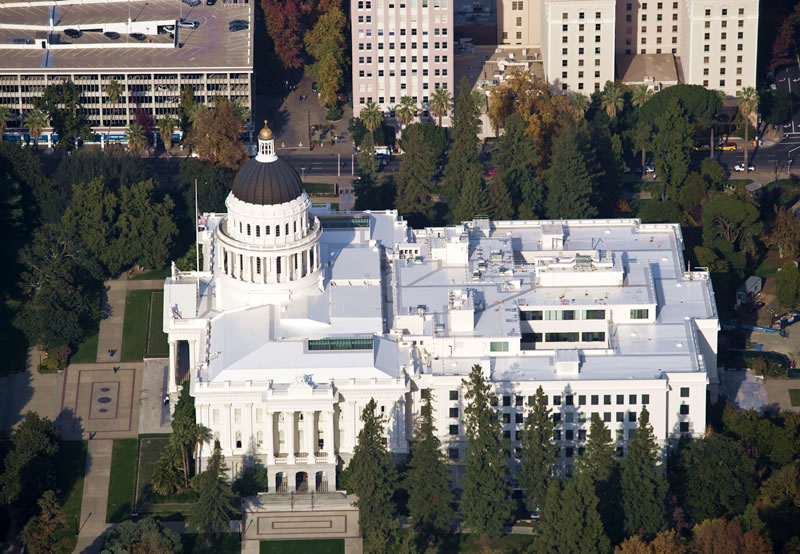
point(266, 145)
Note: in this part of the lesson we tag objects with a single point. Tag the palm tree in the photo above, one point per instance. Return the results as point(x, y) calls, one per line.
point(641, 94)
point(748, 102)
point(579, 104)
point(440, 103)
point(200, 434)
point(36, 120)
point(166, 125)
point(612, 100)
point(5, 117)
point(114, 92)
point(372, 117)
point(406, 110)
point(136, 138)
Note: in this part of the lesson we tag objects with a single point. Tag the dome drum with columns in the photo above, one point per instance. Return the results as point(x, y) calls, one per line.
point(269, 236)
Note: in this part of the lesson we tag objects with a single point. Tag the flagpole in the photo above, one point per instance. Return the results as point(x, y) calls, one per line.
point(196, 227)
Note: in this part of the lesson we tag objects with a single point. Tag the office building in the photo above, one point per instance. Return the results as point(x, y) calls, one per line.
point(300, 316)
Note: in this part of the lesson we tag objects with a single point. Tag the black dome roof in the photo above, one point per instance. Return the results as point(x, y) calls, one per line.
point(267, 183)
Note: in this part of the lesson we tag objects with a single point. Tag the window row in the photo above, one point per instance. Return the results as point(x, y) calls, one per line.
point(560, 315)
point(659, 5)
point(724, 11)
point(368, 45)
point(565, 39)
point(587, 336)
point(508, 400)
point(381, 73)
point(581, 15)
point(403, 59)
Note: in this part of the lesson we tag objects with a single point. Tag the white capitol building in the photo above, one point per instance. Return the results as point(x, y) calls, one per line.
point(301, 315)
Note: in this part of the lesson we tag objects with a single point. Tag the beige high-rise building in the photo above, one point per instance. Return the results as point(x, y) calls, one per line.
point(712, 43)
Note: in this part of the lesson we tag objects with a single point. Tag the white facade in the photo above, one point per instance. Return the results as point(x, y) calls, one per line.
point(600, 313)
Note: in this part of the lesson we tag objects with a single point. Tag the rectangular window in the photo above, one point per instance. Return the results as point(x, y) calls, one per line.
point(453, 412)
point(506, 400)
point(556, 400)
point(518, 418)
point(595, 314)
point(640, 314)
point(453, 395)
point(620, 417)
point(517, 401)
point(569, 399)
point(452, 453)
point(595, 336)
point(570, 434)
point(684, 409)
point(454, 430)
point(631, 399)
point(595, 400)
point(645, 399)
point(561, 337)
point(684, 426)
point(684, 392)
point(498, 346)
point(556, 418)
point(631, 417)
point(620, 399)
point(530, 315)
point(607, 417)
point(506, 418)
point(581, 400)
point(607, 399)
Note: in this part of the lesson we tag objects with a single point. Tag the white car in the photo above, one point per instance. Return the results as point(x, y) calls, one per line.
point(649, 169)
point(188, 24)
point(740, 167)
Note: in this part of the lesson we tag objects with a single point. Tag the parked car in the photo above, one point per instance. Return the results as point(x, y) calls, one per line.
point(188, 24)
point(626, 169)
point(649, 169)
point(314, 87)
point(701, 146)
point(210, 2)
point(726, 146)
point(73, 33)
point(192, 3)
point(111, 34)
point(237, 25)
point(138, 36)
point(740, 167)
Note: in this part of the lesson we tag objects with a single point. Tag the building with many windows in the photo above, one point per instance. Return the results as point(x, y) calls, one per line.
point(139, 44)
point(300, 316)
point(702, 42)
point(400, 48)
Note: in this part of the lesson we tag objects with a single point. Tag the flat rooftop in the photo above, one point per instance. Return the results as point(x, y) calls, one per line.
point(210, 46)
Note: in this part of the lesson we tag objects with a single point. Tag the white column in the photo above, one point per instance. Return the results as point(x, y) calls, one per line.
point(288, 418)
point(400, 414)
point(349, 427)
point(173, 362)
point(309, 435)
point(269, 439)
point(330, 442)
point(226, 438)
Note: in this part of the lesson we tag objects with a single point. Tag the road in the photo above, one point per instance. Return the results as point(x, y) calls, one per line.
point(326, 164)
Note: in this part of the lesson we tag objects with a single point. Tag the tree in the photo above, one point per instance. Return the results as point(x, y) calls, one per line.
point(720, 477)
point(199, 435)
point(426, 479)
point(718, 536)
point(372, 117)
point(641, 94)
point(62, 103)
point(579, 104)
point(781, 47)
point(36, 120)
point(694, 190)
point(612, 100)
point(91, 216)
point(213, 186)
point(672, 143)
point(186, 108)
point(748, 103)
point(440, 103)
point(114, 91)
point(515, 159)
point(211, 512)
point(216, 134)
point(501, 207)
point(166, 126)
point(730, 225)
point(326, 44)
point(643, 139)
point(168, 476)
point(787, 282)
point(183, 432)
point(485, 501)
point(569, 184)
point(39, 532)
point(284, 19)
point(472, 199)
point(137, 141)
point(782, 490)
point(415, 180)
point(252, 480)
point(30, 465)
point(643, 483)
point(463, 160)
point(373, 479)
point(145, 535)
point(785, 234)
point(435, 138)
point(406, 110)
point(5, 118)
point(666, 542)
point(62, 283)
point(537, 451)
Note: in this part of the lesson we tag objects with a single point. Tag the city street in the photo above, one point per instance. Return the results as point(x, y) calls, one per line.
point(308, 165)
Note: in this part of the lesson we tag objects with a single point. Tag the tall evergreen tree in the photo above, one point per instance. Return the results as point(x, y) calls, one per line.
point(485, 501)
point(672, 144)
point(39, 534)
point(501, 207)
point(211, 513)
point(570, 520)
point(537, 451)
point(644, 484)
point(515, 159)
point(569, 182)
point(415, 179)
point(427, 482)
point(373, 478)
point(472, 197)
point(463, 168)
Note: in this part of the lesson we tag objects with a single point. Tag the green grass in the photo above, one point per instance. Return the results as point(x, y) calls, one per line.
point(794, 397)
point(157, 345)
point(69, 484)
point(122, 483)
point(765, 270)
point(149, 451)
point(230, 543)
point(317, 546)
point(154, 274)
point(318, 188)
point(86, 352)
point(335, 206)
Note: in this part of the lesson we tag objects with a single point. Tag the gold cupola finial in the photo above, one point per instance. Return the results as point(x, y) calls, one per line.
point(266, 132)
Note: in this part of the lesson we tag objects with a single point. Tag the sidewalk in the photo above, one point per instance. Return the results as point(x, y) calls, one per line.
point(95, 497)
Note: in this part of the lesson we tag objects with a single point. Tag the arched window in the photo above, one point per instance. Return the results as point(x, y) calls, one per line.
point(266, 229)
point(277, 230)
point(258, 265)
point(238, 439)
point(240, 226)
point(248, 229)
point(258, 230)
point(287, 228)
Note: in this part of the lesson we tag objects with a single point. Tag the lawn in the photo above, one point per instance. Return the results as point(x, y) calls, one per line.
point(230, 543)
point(794, 397)
point(122, 483)
point(154, 274)
point(86, 352)
point(69, 484)
point(317, 546)
point(142, 335)
point(174, 508)
point(157, 345)
point(318, 188)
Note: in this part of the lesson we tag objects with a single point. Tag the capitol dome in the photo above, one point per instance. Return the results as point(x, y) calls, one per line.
point(266, 179)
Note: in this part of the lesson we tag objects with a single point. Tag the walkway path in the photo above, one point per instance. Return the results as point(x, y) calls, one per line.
point(95, 496)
